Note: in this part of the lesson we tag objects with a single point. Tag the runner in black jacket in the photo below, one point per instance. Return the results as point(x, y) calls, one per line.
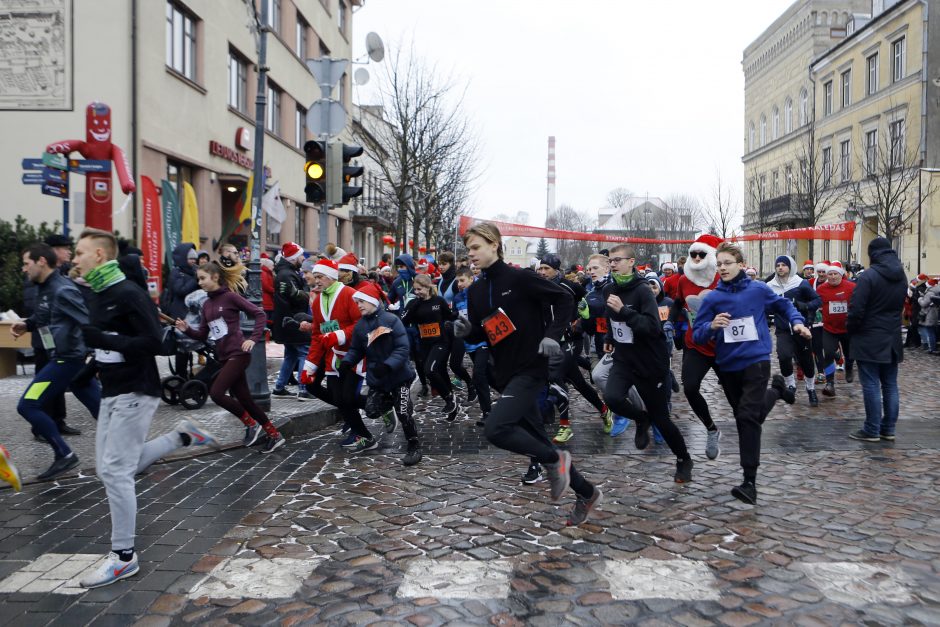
point(507, 309)
point(634, 333)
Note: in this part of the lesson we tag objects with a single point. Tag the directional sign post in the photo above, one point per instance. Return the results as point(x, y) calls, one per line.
point(51, 173)
point(89, 165)
point(33, 178)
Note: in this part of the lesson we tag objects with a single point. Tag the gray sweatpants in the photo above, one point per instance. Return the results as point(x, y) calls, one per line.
point(121, 452)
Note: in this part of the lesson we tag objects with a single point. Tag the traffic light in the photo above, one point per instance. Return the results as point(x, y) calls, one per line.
point(350, 172)
point(315, 171)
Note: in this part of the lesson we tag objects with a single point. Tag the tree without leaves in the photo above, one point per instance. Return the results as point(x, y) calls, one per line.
point(720, 211)
point(618, 197)
point(565, 218)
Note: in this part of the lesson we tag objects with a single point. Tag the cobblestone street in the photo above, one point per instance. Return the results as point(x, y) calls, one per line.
point(844, 532)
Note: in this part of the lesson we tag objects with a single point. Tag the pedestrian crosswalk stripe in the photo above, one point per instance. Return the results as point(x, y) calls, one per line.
point(679, 579)
point(859, 584)
point(256, 578)
point(456, 579)
point(56, 573)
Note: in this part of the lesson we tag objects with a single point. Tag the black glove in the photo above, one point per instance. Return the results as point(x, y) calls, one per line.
point(93, 336)
point(290, 324)
point(380, 370)
point(303, 317)
point(449, 326)
point(344, 368)
point(286, 289)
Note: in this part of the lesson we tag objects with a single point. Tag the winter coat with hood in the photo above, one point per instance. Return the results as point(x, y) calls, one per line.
point(636, 331)
point(293, 300)
point(874, 320)
point(798, 291)
point(928, 304)
point(392, 349)
point(182, 281)
point(400, 292)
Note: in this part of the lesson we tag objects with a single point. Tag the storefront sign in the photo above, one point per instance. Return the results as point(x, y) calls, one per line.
point(231, 154)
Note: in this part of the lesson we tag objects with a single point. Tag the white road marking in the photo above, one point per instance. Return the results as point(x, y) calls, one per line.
point(56, 573)
point(456, 579)
point(679, 579)
point(256, 578)
point(858, 584)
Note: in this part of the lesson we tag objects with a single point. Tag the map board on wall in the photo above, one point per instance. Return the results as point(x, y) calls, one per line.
point(36, 55)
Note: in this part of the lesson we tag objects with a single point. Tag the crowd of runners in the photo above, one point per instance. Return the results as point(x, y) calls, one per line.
point(474, 330)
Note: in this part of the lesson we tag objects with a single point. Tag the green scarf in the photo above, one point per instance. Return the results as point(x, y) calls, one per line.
point(329, 293)
point(622, 279)
point(104, 276)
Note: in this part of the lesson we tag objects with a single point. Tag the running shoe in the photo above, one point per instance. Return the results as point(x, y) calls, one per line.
point(412, 455)
point(607, 417)
point(559, 474)
point(889, 437)
point(820, 377)
point(8, 471)
point(304, 395)
point(198, 434)
point(583, 507)
point(683, 471)
point(273, 443)
point(621, 424)
point(657, 436)
point(425, 390)
point(389, 419)
point(564, 433)
point(746, 493)
point(829, 389)
point(350, 441)
point(456, 382)
point(471, 393)
point(532, 475)
point(365, 444)
point(252, 434)
point(849, 375)
point(111, 570)
point(864, 436)
point(482, 421)
point(712, 449)
point(60, 465)
point(281, 392)
point(813, 398)
point(641, 438)
point(787, 394)
point(451, 408)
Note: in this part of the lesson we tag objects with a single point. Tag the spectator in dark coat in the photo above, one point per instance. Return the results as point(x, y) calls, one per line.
point(290, 298)
point(182, 280)
point(874, 322)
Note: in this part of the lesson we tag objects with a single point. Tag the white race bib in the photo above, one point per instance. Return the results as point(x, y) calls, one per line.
point(48, 342)
point(838, 307)
point(622, 332)
point(741, 330)
point(103, 356)
point(217, 329)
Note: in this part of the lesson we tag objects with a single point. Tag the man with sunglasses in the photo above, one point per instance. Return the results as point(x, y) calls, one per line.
point(700, 275)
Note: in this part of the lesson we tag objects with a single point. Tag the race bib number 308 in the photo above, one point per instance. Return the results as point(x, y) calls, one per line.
point(741, 330)
point(498, 327)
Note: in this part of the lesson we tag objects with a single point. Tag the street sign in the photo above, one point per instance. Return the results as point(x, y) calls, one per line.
point(55, 161)
point(33, 164)
point(326, 117)
point(33, 178)
point(51, 175)
point(327, 73)
point(89, 165)
point(55, 189)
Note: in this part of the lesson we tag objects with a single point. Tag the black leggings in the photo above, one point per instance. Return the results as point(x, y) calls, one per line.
point(433, 360)
point(695, 366)
point(339, 387)
point(751, 400)
point(831, 342)
point(790, 346)
point(457, 351)
point(653, 392)
point(515, 424)
point(481, 377)
point(232, 379)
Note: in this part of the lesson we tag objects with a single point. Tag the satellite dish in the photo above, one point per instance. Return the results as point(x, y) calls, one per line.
point(374, 47)
point(936, 82)
point(361, 76)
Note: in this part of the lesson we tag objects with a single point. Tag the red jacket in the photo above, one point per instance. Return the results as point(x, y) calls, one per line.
point(684, 289)
point(835, 304)
point(331, 345)
point(671, 285)
point(267, 288)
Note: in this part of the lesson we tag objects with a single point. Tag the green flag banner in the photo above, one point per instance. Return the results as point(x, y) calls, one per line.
point(172, 219)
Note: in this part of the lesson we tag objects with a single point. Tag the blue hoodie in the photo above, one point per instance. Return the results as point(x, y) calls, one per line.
point(742, 298)
point(401, 286)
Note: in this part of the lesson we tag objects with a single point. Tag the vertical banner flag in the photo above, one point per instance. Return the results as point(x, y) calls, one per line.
point(190, 216)
point(243, 207)
point(151, 237)
point(171, 220)
point(274, 207)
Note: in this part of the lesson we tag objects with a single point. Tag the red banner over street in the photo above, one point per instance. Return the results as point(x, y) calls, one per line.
point(151, 236)
point(840, 231)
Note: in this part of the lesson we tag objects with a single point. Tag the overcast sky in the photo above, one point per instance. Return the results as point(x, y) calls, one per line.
point(643, 95)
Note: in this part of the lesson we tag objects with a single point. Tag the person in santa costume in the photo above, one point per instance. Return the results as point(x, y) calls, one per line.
point(335, 314)
point(700, 276)
point(671, 278)
point(835, 294)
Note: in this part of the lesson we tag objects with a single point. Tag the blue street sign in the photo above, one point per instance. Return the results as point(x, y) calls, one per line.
point(33, 178)
point(55, 189)
point(51, 175)
point(89, 165)
point(33, 164)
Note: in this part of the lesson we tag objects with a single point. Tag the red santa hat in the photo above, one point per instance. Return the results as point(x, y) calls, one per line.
point(933, 281)
point(349, 261)
point(291, 251)
point(326, 267)
point(920, 278)
point(836, 266)
point(670, 266)
point(822, 266)
point(369, 293)
point(809, 264)
point(705, 242)
point(750, 271)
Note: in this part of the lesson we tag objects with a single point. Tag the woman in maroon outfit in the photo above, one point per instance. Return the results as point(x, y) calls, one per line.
point(220, 324)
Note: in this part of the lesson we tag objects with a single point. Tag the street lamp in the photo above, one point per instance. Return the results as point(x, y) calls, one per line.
point(851, 215)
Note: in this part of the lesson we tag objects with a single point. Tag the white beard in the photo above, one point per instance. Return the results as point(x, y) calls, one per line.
point(701, 271)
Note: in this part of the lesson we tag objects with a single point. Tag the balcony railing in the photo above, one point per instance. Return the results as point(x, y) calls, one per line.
point(375, 215)
point(786, 208)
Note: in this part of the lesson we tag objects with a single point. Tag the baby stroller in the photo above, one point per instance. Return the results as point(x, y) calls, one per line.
point(190, 388)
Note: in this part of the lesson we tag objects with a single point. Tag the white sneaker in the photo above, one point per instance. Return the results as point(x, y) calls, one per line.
point(199, 435)
point(111, 570)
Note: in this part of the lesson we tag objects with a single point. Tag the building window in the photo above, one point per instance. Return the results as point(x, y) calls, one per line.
point(871, 152)
point(776, 183)
point(804, 174)
point(750, 137)
point(846, 88)
point(237, 83)
point(274, 14)
point(827, 98)
point(272, 120)
point(872, 86)
point(271, 238)
point(341, 86)
point(845, 171)
point(775, 123)
point(762, 189)
point(788, 116)
point(300, 223)
point(300, 42)
point(827, 166)
point(788, 179)
point(898, 49)
point(763, 130)
point(177, 173)
point(324, 51)
point(180, 41)
point(300, 127)
point(804, 108)
point(342, 17)
point(897, 144)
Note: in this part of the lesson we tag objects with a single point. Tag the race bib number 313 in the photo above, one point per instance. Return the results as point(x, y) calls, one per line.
point(498, 327)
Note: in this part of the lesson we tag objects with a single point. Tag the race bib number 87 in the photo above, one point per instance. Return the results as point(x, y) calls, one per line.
point(741, 330)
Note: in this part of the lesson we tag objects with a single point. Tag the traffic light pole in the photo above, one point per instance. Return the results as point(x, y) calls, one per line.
point(257, 372)
point(324, 214)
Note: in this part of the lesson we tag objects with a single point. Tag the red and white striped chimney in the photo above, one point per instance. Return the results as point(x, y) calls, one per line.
point(550, 200)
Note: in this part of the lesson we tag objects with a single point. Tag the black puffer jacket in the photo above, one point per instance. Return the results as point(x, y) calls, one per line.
point(293, 299)
point(182, 281)
point(874, 319)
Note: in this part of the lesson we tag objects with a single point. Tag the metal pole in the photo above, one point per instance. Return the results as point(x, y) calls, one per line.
point(920, 179)
point(257, 373)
